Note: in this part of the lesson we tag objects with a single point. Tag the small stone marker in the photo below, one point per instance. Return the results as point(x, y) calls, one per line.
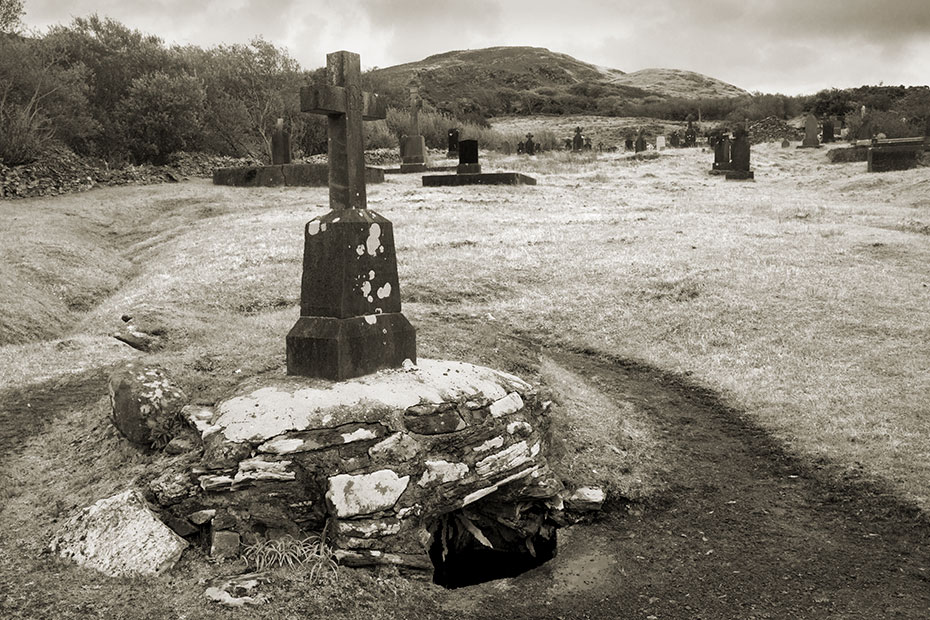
point(690, 134)
point(739, 166)
point(829, 133)
point(674, 140)
point(453, 146)
point(640, 142)
point(529, 147)
point(721, 152)
point(469, 172)
point(785, 143)
point(628, 143)
point(578, 140)
point(350, 310)
point(521, 148)
point(468, 157)
point(660, 143)
point(810, 133)
point(280, 145)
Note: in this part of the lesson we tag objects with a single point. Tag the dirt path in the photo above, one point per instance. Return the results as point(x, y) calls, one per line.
point(745, 531)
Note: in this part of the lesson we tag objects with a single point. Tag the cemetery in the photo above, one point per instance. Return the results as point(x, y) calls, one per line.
point(552, 380)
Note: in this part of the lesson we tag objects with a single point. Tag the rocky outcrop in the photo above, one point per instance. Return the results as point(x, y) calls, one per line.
point(380, 462)
point(119, 536)
point(145, 404)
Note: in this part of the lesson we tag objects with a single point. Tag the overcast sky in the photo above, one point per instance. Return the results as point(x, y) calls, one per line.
point(786, 46)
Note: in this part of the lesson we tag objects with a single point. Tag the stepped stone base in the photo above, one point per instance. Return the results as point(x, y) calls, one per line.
point(740, 175)
point(389, 463)
point(289, 175)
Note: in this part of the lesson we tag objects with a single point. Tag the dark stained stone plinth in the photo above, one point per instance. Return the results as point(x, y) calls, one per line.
point(486, 178)
point(468, 168)
point(888, 158)
point(339, 349)
point(350, 322)
point(739, 175)
point(290, 175)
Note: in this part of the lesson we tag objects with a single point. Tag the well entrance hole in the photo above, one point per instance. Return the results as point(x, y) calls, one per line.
point(493, 541)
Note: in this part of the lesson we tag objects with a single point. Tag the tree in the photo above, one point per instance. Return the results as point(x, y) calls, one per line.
point(11, 13)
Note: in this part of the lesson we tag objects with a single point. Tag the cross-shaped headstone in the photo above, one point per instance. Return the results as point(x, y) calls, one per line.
point(346, 106)
point(350, 312)
point(415, 104)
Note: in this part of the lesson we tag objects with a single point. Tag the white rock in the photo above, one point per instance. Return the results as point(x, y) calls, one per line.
point(586, 498)
point(507, 405)
point(438, 472)
point(365, 493)
point(119, 536)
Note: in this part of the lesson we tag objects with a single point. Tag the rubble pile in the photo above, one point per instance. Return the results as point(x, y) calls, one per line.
point(772, 129)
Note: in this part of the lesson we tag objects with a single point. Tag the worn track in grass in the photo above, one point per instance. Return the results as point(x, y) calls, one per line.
point(744, 531)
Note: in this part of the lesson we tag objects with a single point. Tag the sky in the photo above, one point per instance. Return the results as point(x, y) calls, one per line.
point(773, 46)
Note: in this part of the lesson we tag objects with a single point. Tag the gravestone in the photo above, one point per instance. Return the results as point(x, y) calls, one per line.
point(640, 143)
point(865, 131)
point(506, 149)
point(350, 310)
point(529, 147)
point(739, 164)
point(413, 146)
point(468, 157)
point(721, 153)
point(690, 134)
point(785, 143)
point(469, 172)
point(280, 145)
point(674, 140)
point(660, 143)
point(453, 148)
point(578, 140)
point(521, 148)
point(628, 144)
point(810, 133)
point(828, 131)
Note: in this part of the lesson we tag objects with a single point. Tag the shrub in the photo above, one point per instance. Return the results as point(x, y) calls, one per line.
point(162, 114)
point(24, 132)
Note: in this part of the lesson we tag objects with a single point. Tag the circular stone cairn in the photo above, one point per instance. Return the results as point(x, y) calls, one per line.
point(413, 466)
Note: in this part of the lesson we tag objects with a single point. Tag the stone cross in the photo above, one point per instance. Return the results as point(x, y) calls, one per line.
point(346, 106)
point(415, 104)
point(350, 312)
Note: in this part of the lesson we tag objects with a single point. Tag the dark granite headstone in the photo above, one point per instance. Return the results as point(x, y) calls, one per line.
point(828, 131)
point(810, 133)
point(577, 140)
point(640, 145)
point(587, 144)
point(690, 135)
point(628, 144)
point(739, 164)
point(453, 137)
point(721, 152)
point(468, 157)
point(785, 143)
point(674, 140)
point(280, 145)
point(350, 311)
point(521, 148)
point(529, 146)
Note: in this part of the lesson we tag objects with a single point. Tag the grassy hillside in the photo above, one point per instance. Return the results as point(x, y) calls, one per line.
point(518, 80)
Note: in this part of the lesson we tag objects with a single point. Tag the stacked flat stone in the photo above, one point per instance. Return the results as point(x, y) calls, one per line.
point(375, 460)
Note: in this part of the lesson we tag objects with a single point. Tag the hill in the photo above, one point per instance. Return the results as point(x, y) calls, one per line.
point(532, 80)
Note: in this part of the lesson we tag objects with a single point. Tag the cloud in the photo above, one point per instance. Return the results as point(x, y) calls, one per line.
point(792, 46)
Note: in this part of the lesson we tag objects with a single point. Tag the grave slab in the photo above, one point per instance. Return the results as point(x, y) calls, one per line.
point(484, 178)
point(287, 175)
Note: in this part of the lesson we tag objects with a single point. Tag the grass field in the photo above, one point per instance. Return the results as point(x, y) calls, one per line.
point(803, 298)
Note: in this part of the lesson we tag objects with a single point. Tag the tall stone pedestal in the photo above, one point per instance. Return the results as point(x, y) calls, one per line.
point(413, 154)
point(350, 312)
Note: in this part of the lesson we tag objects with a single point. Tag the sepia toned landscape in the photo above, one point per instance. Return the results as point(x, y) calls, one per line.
point(496, 333)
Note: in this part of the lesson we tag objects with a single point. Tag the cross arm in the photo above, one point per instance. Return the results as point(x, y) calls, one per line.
point(332, 100)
